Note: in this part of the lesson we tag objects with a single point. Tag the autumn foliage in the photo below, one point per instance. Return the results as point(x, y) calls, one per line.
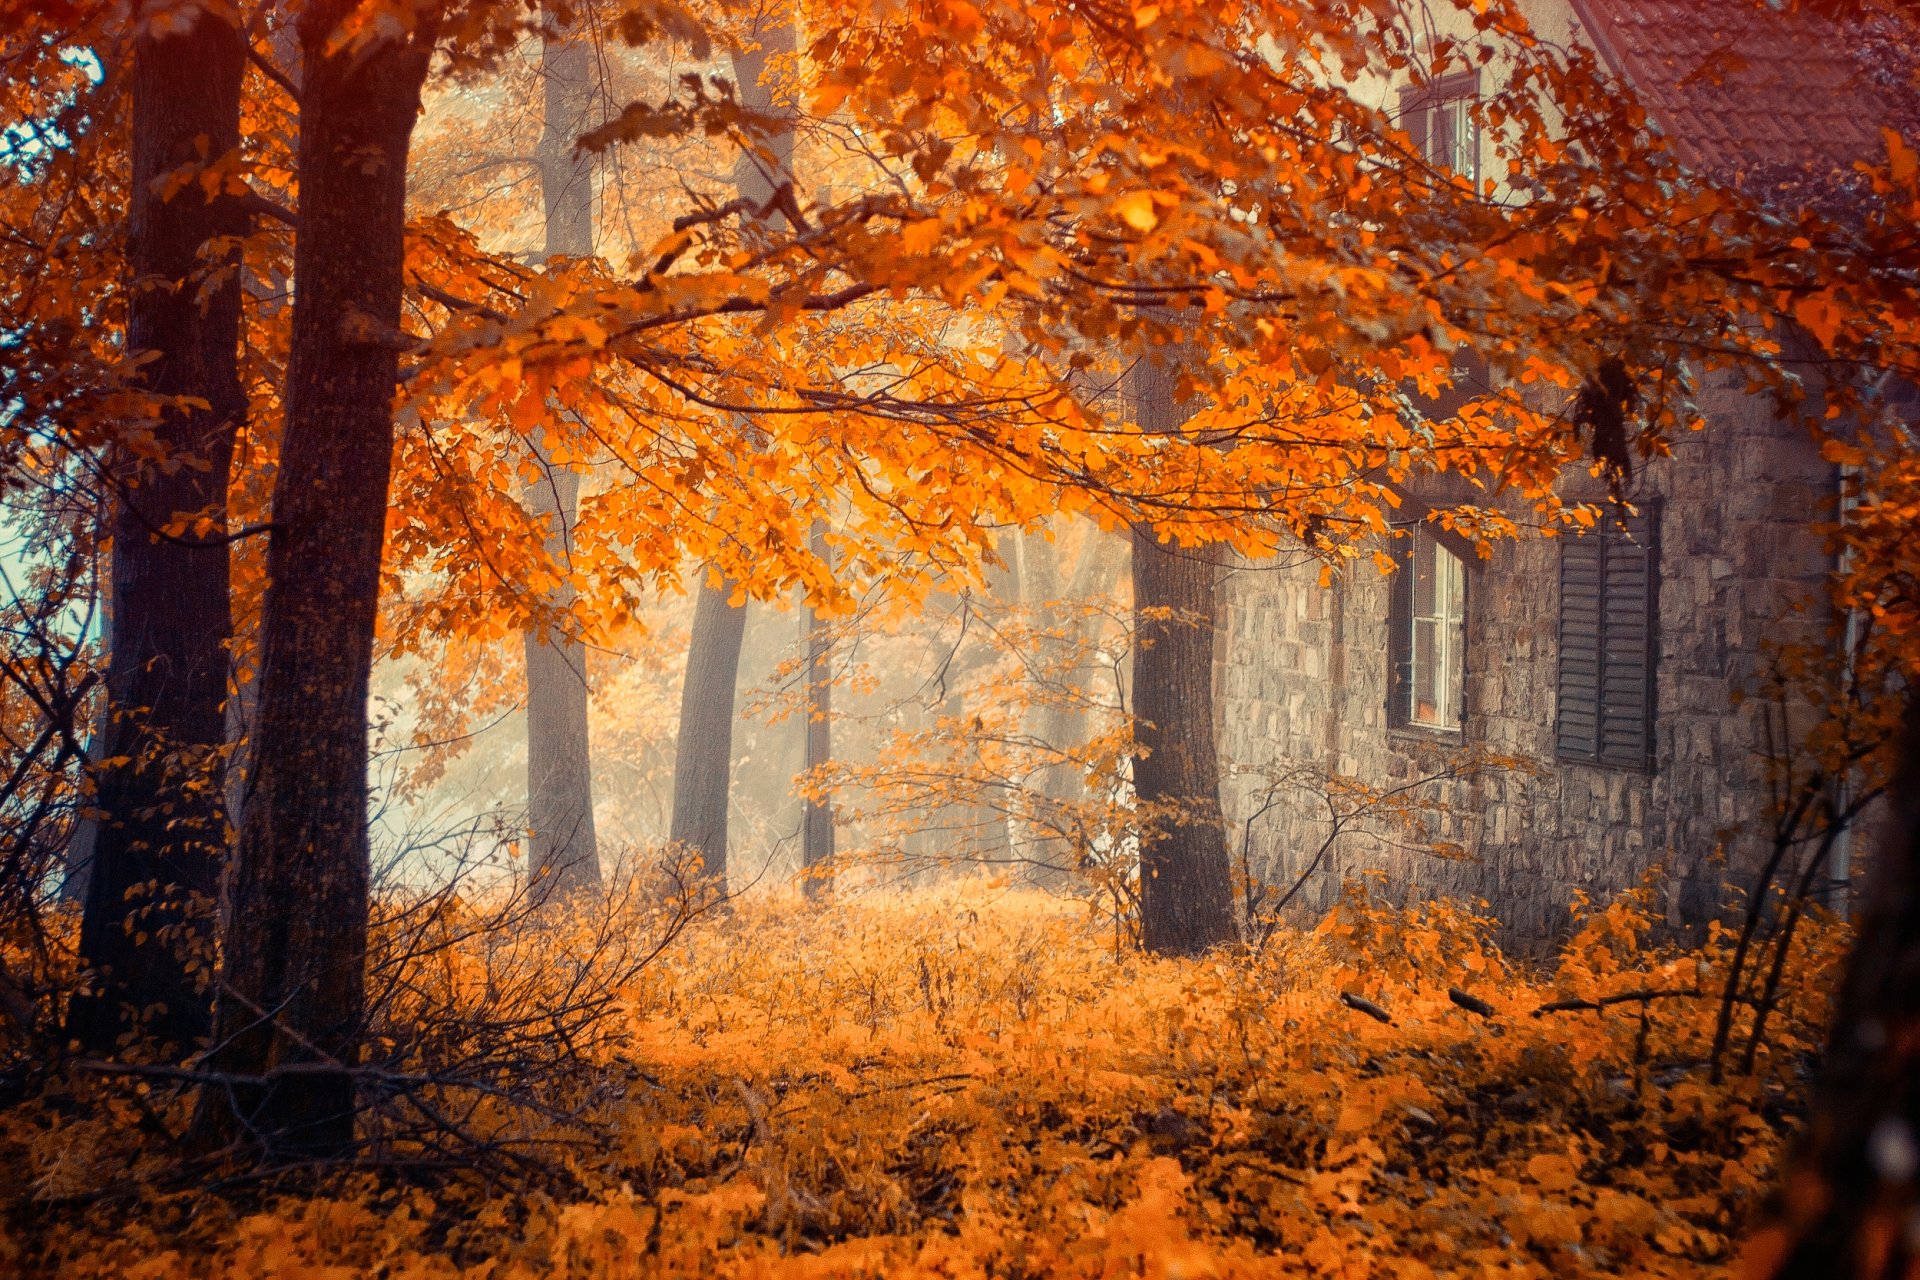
point(971, 1082)
point(322, 385)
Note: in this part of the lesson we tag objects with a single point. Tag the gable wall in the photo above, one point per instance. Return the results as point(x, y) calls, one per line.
point(1301, 681)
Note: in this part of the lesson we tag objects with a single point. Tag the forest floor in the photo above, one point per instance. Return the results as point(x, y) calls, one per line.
point(970, 1082)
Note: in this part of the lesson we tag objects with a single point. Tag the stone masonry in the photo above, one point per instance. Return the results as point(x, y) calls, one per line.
point(1301, 680)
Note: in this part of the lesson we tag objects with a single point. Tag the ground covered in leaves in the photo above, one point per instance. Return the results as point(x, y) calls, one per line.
point(972, 1083)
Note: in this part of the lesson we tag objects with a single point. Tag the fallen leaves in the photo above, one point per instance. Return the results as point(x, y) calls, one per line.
point(815, 1106)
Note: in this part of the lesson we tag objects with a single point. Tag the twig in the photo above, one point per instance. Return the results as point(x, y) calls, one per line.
point(1366, 1006)
point(254, 202)
point(1625, 997)
point(454, 302)
point(1471, 1003)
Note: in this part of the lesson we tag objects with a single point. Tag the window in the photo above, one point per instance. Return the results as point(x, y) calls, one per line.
point(1439, 118)
point(1427, 635)
point(1608, 590)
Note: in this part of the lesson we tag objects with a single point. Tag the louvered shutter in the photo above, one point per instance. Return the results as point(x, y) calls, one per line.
point(1627, 644)
point(1466, 637)
point(1415, 108)
point(1580, 576)
point(1400, 633)
point(1608, 593)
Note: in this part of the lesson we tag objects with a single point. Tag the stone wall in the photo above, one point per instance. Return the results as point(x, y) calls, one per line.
point(1301, 687)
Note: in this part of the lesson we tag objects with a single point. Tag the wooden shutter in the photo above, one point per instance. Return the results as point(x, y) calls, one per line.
point(1415, 108)
point(1400, 630)
point(1608, 592)
point(1627, 643)
point(1466, 634)
point(1417, 103)
point(1579, 701)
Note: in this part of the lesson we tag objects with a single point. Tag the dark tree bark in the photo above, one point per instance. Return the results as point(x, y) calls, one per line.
point(157, 846)
point(1852, 1189)
point(703, 760)
point(565, 851)
point(703, 752)
point(1186, 889)
point(816, 827)
point(291, 1002)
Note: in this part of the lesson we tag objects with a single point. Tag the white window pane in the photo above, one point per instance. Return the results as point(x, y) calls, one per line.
point(1437, 635)
point(1423, 571)
point(1462, 138)
point(1441, 140)
point(1426, 675)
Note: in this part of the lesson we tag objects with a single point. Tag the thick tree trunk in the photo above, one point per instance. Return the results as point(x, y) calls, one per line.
point(157, 847)
point(703, 759)
point(1186, 890)
point(816, 827)
point(291, 1004)
point(565, 852)
point(1847, 1206)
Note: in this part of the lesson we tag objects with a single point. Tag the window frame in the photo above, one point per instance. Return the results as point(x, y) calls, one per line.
point(1403, 627)
point(1419, 103)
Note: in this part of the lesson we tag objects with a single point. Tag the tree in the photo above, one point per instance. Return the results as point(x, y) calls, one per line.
point(703, 755)
point(288, 1017)
point(565, 852)
point(816, 829)
point(1281, 223)
point(1850, 1190)
point(161, 831)
point(1063, 724)
point(703, 758)
point(1853, 1185)
point(1186, 888)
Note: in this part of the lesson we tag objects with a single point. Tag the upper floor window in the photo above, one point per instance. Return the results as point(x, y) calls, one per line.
point(1427, 635)
point(1439, 118)
point(1609, 588)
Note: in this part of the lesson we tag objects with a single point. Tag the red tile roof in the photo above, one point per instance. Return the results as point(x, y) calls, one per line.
point(1739, 87)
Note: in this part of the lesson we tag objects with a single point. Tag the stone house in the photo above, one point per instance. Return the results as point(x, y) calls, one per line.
point(1608, 668)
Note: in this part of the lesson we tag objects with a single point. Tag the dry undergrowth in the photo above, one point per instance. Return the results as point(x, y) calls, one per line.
point(969, 1083)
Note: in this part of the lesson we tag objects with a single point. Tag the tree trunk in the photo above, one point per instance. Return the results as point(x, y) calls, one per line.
point(565, 852)
point(291, 1004)
point(993, 810)
point(816, 828)
point(703, 759)
point(1055, 725)
point(703, 755)
point(1846, 1208)
point(1186, 890)
point(157, 847)
point(755, 176)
